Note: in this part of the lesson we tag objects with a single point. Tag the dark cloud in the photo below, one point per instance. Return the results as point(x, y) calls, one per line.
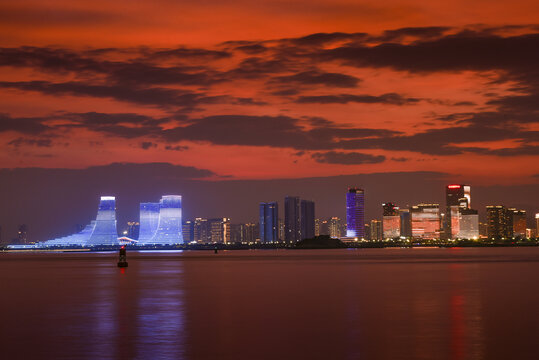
point(30, 142)
point(147, 145)
point(162, 97)
point(29, 125)
point(176, 148)
point(321, 39)
point(274, 131)
point(315, 77)
point(414, 32)
point(390, 98)
point(347, 158)
point(252, 49)
point(471, 51)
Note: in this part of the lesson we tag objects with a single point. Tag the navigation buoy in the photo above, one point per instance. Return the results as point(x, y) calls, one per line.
point(215, 250)
point(122, 262)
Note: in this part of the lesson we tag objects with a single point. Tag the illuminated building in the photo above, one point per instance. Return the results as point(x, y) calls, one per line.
point(148, 219)
point(406, 223)
point(188, 231)
point(518, 222)
point(307, 219)
point(335, 228)
point(201, 233)
point(537, 224)
point(391, 222)
point(367, 228)
point(292, 219)
point(105, 232)
point(236, 233)
point(468, 224)
point(269, 222)
point(219, 230)
point(530, 233)
point(167, 230)
point(355, 213)
point(498, 223)
point(457, 197)
point(281, 230)
point(425, 221)
point(376, 230)
point(101, 231)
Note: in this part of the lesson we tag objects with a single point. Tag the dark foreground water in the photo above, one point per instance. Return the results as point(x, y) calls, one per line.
point(272, 304)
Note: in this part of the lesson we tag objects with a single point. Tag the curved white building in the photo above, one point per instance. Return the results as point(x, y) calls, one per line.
point(161, 223)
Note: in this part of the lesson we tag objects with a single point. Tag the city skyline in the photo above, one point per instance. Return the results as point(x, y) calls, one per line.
point(162, 223)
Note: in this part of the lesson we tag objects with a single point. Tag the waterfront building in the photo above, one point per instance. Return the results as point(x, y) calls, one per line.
point(391, 222)
point(105, 231)
point(219, 229)
point(498, 222)
point(250, 232)
point(406, 223)
point(168, 230)
point(355, 213)
point(376, 230)
point(457, 197)
point(188, 231)
point(335, 228)
point(269, 222)
point(101, 231)
point(149, 220)
point(518, 222)
point(537, 224)
point(468, 224)
point(307, 219)
point(367, 228)
point(292, 219)
point(201, 233)
point(425, 221)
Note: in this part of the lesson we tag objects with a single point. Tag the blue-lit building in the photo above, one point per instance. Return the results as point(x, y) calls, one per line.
point(355, 213)
point(269, 222)
point(101, 231)
point(161, 223)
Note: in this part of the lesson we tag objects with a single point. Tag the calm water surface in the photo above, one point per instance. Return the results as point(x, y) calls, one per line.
point(272, 304)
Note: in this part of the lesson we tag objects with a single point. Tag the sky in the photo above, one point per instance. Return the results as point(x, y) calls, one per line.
point(240, 92)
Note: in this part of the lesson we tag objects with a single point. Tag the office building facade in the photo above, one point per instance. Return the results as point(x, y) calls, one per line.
point(269, 222)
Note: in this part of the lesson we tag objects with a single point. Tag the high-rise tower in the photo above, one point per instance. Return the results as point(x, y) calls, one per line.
point(105, 232)
point(355, 213)
point(269, 222)
point(292, 219)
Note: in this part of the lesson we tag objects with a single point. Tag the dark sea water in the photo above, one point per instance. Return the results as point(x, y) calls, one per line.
point(272, 304)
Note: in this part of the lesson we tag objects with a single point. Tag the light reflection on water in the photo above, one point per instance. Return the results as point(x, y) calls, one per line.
point(335, 304)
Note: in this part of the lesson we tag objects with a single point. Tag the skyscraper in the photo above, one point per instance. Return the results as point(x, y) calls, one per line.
point(376, 230)
point(498, 223)
point(355, 213)
point(518, 223)
point(335, 227)
point(457, 197)
point(149, 220)
point(391, 221)
point(292, 219)
point(406, 223)
point(425, 221)
point(201, 232)
point(269, 222)
point(307, 219)
point(468, 224)
point(188, 231)
point(219, 230)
